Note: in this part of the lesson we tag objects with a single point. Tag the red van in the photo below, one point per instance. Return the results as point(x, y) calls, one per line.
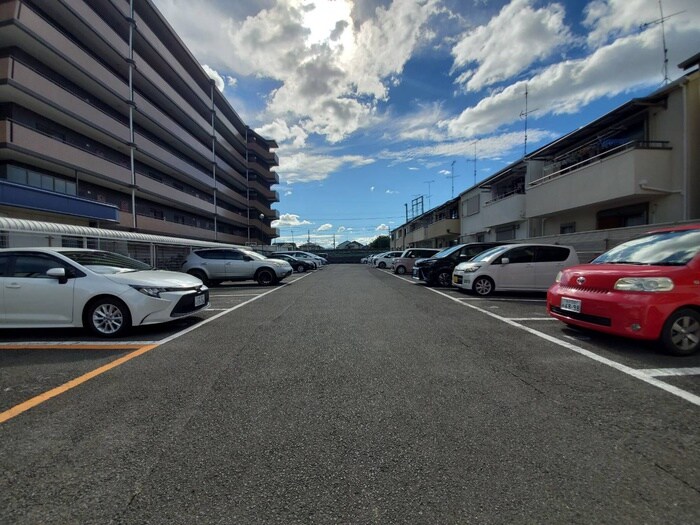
point(646, 288)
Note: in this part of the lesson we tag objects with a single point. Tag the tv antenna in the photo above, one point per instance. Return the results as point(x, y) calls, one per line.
point(453, 177)
point(524, 114)
point(429, 182)
point(660, 21)
point(474, 159)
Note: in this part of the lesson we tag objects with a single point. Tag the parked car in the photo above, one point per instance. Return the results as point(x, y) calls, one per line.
point(404, 262)
point(437, 270)
point(216, 265)
point(305, 256)
point(646, 288)
point(514, 267)
point(299, 265)
point(385, 259)
point(103, 291)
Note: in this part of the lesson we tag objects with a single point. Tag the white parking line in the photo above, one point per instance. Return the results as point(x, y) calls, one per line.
point(233, 295)
point(532, 318)
point(638, 374)
point(660, 372)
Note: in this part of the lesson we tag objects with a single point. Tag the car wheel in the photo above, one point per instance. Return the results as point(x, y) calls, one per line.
point(681, 332)
point(401, 270)
point(199, 274)
point(382, 265)
point(301, 268)
point(265, 278)
point(444, 279)
point(108, 317)
point(483, 286)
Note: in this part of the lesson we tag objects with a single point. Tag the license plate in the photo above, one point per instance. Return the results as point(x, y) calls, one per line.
point(570, 305)
point(199, 300)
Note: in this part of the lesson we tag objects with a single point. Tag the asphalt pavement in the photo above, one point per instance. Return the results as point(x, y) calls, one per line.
point(353, 396)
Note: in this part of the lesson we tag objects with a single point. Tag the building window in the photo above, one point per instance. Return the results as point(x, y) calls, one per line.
point(567, 227)
point(635, 215)
point(472, 205)
point(506, 233)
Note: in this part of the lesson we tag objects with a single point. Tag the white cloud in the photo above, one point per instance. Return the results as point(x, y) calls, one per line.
point(214, 75)
point(332, 70)
point(309, 167)
point(324, 227)
point(371, 188)
point(231, 82)
point(382, 227)
point(510, 43)
point(341, 229)
point(288, 220)
point(569, 85)
point(391, 192)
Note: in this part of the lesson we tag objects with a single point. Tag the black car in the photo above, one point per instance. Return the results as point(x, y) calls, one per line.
point(299, 265)
point(437, 270)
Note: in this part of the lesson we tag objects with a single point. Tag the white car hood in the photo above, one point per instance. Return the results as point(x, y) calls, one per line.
point(160, 278)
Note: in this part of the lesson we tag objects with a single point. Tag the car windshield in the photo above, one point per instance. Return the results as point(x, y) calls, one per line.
point(489, 254)
point(107, 262)
point(673, 248)
point(447, 252)
point(254, 255)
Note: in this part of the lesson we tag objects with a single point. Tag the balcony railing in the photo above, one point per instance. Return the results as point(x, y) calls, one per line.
point(562, 168)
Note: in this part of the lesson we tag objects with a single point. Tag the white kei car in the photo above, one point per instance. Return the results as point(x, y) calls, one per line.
point(104, 291)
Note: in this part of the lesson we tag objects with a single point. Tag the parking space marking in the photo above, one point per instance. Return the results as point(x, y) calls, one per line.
point(532, 318)
point(233, 295)
point(37, 400)
point(666, 372)
point(638, 374)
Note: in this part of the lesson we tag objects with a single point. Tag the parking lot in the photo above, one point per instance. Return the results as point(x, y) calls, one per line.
point(352, 395)
point(640, 359)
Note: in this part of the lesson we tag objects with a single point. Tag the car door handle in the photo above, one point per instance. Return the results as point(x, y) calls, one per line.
point(13, 285)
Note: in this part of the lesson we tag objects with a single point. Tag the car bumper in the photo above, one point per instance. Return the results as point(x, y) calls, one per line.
point(635, 315)
point(171, 305)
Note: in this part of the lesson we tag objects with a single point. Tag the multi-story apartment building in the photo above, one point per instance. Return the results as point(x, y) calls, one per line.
point(436, 228)
point(637, 165)
point(108, 120)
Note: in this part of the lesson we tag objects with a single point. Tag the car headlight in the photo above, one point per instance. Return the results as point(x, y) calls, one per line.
point(644, 284)
point(467, 268)
point(557, 279)
point(152, 291)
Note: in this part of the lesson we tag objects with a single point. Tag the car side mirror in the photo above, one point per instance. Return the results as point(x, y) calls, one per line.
point(505, 260)
point(58, 273)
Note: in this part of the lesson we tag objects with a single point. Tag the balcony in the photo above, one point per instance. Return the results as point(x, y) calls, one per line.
point(629, 171)
point(159, 226)
point(23, 141)
point(172, 196)
point(505, 209)
point(66, 57)
point(443, 228)
point(264, 172)
point(20, 196)
point(268, 156)
point(45, 93)
point(171, 161)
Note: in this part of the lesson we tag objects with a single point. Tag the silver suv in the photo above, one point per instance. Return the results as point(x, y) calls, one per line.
point(215, 265)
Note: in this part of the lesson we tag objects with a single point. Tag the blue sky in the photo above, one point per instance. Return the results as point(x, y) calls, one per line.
point(372, 101)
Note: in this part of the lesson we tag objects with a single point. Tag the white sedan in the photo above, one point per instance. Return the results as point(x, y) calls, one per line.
point(104, 291)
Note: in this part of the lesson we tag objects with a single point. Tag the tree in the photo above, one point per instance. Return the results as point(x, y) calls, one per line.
point(380, 243)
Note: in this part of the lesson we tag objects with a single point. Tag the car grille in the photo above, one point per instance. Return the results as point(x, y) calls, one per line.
point(186, 304)
point(581, 289)
point(593, 319)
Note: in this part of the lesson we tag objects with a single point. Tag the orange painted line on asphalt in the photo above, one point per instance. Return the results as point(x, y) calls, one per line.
point(31, 403)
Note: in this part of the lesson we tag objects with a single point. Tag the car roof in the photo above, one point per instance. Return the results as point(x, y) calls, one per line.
point(48, 249)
